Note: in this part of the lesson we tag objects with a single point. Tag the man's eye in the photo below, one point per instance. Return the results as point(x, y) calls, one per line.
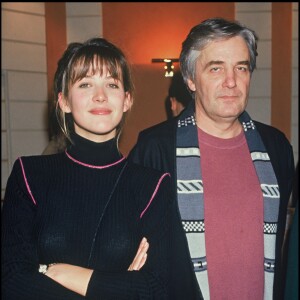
point(243, 69)
point(215, 69)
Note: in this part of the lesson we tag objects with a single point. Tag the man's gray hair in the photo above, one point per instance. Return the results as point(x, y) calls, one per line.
point(212, 30)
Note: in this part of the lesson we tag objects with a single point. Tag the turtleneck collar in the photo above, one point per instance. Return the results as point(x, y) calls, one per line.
point(96, 154)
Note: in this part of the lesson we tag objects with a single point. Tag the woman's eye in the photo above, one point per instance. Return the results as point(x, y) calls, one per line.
point(113, 85)
point(84, 85)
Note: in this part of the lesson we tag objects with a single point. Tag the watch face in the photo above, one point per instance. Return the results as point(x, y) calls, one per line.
point(43, 269)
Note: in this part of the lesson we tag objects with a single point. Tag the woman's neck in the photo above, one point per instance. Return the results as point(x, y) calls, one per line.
point(93, 153)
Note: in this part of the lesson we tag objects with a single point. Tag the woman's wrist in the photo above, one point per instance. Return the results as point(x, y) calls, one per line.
point(44, 268)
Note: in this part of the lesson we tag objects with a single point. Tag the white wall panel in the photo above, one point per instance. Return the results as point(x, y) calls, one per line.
point(261, 84)
point(260, 22)
point(26, 86)
point(4, 154)
point(83, 28)
point(3, 116)
point(29, 7)
point(295, 24)
point(295, 54)
point(295, 82)
point(294, 141)
point(84, 21)
point(23, 57)
point(252, 6)
point(4, 175)
point(259, 109)
point(258, 17)
point(28, 143)
point(24, 82)
point(264, 58)
point(29, 28)
point(28, 116)
point(83, 9)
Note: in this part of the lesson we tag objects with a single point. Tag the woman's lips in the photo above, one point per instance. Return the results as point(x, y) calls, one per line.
point(100, 111)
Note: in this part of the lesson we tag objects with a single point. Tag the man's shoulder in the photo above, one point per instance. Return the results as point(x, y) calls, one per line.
point(160, 129)
point(155, 146)
point(269, 132)
point(277, 144)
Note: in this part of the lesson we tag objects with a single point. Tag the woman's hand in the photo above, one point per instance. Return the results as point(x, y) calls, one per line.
point(71, 277)
point(77, 278)
point(140, 257)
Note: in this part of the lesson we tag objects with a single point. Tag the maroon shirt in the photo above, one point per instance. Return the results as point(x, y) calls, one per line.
point(233, 211)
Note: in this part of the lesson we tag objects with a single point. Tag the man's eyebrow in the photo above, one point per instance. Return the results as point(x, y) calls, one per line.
point(243, 62)
point(214, 62)
point(220, 62)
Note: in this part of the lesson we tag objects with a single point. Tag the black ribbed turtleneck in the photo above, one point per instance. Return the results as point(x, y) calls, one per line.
point(89, 207)
point(89, 152)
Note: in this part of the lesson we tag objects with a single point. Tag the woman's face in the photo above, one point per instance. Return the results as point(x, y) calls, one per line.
point(97, 103)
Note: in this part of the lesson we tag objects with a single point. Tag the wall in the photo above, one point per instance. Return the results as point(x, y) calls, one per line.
point(25, 67)
point(295, 80)
point(84, 20)
point(258, 16)
point(153, 30)
point(24, 83)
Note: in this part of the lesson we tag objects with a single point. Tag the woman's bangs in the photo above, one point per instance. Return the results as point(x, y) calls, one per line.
point(92, 63)
point(110, 63)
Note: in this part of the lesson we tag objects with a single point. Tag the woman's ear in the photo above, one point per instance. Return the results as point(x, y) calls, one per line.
point(63, 104)
point(127, 102)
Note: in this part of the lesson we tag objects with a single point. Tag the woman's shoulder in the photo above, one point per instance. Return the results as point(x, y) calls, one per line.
point(148, 186)
point(41, 159)
point(145, 180)
point(38, 164)
point(142, 173)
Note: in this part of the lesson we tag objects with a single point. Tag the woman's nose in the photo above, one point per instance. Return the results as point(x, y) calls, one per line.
point(100, 95)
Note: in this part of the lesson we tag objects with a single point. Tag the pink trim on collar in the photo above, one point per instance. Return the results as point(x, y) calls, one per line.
point(92, 166)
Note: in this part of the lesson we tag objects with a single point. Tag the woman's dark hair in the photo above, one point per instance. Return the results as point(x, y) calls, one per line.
point(78, 59)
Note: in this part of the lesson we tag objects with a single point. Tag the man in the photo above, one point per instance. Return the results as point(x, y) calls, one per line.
point(178, 97)
point(232, 175)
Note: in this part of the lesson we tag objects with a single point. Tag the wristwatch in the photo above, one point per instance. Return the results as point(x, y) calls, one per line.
point(44, 268)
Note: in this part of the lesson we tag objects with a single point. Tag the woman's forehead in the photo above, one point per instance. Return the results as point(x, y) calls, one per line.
point(97, 65)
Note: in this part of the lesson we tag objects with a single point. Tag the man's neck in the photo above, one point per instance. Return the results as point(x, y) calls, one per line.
point(222, 128)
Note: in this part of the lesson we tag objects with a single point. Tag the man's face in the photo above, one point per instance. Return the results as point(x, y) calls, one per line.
point(222, 81)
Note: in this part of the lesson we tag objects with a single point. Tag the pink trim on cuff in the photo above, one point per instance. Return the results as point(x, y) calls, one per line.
point(26, 182)
point(92, 166)
point(154, 193)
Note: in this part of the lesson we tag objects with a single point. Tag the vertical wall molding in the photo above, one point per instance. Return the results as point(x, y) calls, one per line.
point(56, 42)
point(281, 67)
point(4, 75)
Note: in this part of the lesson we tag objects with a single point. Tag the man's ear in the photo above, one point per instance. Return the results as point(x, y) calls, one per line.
point(127, 102)
point(63, 104)
point(191, 85)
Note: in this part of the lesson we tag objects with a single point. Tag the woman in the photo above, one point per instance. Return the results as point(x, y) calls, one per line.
point(73, 221)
